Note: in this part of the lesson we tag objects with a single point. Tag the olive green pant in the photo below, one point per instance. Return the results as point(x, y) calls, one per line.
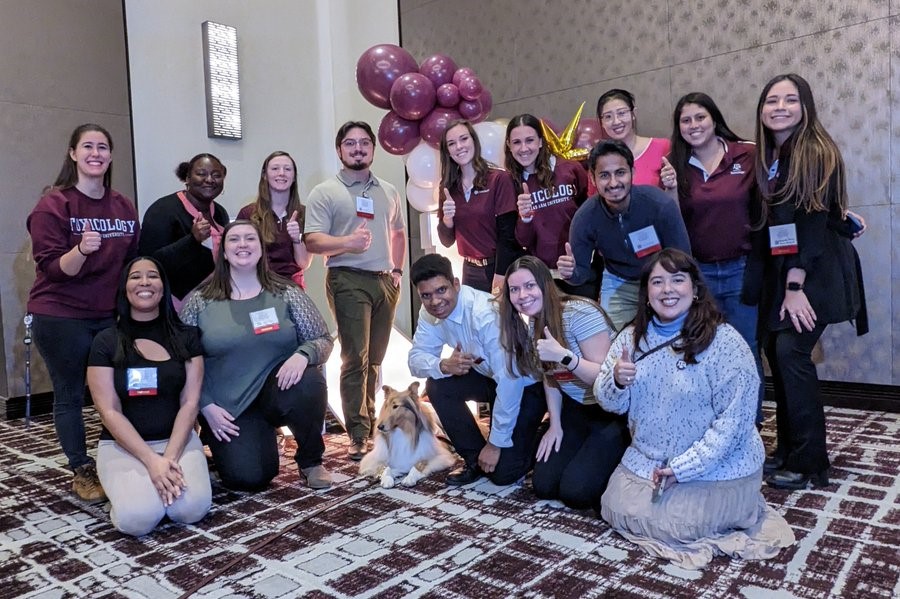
point(363, 305)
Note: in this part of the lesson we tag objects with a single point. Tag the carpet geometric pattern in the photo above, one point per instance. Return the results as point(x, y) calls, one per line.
point(432, 541)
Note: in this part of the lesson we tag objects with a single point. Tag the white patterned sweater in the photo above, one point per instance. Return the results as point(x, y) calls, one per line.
point(700, 417)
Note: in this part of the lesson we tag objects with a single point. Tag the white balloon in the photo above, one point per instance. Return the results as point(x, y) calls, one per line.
point(424, 165)
point(423, 199)
point(492, 136)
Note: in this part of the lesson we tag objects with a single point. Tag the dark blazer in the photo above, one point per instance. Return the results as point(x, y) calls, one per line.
point(833, 282)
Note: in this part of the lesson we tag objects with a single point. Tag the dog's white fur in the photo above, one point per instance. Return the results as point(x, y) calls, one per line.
point(405, 441)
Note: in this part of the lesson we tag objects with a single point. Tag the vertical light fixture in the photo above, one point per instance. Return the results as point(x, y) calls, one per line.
point(220, 70)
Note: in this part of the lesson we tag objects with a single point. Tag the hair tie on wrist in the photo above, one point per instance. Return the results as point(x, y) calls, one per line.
point(78, 247)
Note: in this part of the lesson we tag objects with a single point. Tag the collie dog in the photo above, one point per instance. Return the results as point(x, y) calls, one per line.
point(405, 441)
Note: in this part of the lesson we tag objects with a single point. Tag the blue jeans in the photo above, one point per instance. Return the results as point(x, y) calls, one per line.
point(725, 280)
point(65, 344)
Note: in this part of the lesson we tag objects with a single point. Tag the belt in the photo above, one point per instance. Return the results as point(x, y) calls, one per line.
point(478, 261)
point(360, 271)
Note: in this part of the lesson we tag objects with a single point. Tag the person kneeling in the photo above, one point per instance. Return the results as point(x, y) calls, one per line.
point(688, 487)
point(264, 341)
point(467, 320)
point(145, 374)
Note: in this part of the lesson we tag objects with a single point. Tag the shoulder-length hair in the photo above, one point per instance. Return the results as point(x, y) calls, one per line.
point(262, 215)
point(219, 286)
point(68, 174)
point(681, 150)
point(451, 173)
point(521, 349)
point(815, 163)
point(542, 169)
point(703, 317)
point(171, 324)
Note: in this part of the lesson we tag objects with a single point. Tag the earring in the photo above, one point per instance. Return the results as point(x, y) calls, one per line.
point(696, 297)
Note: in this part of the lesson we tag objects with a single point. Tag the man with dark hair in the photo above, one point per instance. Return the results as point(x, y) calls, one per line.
point(625, 224)
point(355, 220)
point(467, 320)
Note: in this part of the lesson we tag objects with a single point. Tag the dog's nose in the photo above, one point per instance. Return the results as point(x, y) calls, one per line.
point(381, 427)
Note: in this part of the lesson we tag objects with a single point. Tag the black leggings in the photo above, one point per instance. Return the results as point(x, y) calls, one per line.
point(592, 446)
point(250, 461)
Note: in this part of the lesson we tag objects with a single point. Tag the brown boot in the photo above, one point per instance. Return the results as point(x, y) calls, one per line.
point(317, 477)
point(357, 450)
point(86, 484)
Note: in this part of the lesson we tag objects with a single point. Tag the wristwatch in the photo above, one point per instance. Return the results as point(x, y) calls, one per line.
point(794, 286)
point(567, 359)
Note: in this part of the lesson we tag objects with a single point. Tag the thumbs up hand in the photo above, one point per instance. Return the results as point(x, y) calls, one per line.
point(549, 349)
point(201, 228)
point(90, 239)
point(523, 203)
point(667, 174)
point(293, 228)
point(360, 239)
point(449, 209)
point(625, 370)
point(565, 264)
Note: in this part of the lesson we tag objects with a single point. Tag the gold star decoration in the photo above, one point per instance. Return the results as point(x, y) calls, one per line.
point(561, 145)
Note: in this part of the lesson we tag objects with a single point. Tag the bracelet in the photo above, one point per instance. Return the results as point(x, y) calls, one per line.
point(399, 271)
point(78, 247)
point(298, 242)
point(577, 362)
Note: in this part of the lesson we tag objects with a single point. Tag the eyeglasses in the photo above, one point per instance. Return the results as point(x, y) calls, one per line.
point(608, 117)
point(352, 143)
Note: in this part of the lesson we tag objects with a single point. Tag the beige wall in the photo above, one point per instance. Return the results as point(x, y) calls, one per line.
point(548, 57)
point(63, 64)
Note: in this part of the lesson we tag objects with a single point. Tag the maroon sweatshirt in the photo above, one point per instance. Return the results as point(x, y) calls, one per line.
point(281, 251)
point(56, 225)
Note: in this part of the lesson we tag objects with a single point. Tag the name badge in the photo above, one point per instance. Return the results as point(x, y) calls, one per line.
point(264, 321)
point(365, 207)
point(644, 241)
point(783, 239)
point(562, 375)
point(141, 381)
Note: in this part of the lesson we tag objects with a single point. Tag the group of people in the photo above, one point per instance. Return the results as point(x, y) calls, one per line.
point(627, 300)
point(191, 330)
point(701, 249)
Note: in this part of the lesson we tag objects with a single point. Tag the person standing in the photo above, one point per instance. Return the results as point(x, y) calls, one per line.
point(625, 224)
point(82, 233)
point(354, 219)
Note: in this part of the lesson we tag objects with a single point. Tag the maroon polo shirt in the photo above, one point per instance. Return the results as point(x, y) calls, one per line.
point(475, 224)
point(717, 214)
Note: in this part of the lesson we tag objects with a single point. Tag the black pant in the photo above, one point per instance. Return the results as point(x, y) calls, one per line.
point(478, 277)
point(799, 412)
point(448, 396)
point(592, 446)
point(250, 460)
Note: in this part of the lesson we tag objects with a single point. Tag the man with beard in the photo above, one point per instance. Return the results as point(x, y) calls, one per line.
point(354, 219)
point(625, 224)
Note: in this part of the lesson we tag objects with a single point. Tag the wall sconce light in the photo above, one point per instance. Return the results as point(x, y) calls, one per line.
point(220, 70)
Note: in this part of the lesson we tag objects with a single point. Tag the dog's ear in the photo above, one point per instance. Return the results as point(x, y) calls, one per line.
point(387, 391)
point(414, 389)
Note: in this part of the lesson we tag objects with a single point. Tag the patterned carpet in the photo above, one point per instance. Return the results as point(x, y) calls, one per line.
point(481, 541)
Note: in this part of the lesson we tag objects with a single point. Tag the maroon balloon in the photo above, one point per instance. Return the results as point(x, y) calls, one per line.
point(412, 96)
point(432, 126)
point(398, 135)
point(470, 88)
point(460, 74)
point(439, 69)
point(471, 109)
point(448, 95)
point(588, 133)
point(487, 103)
point(378, 68)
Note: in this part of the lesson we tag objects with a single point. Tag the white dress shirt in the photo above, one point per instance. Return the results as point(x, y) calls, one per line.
point(474, 324)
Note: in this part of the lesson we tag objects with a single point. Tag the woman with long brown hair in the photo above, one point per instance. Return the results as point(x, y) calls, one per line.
point(688, 487)
point(279, 215)
point(811, 271)
point(477, 210)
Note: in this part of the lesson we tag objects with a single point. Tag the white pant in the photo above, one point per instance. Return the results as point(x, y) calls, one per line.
point(136, 505)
